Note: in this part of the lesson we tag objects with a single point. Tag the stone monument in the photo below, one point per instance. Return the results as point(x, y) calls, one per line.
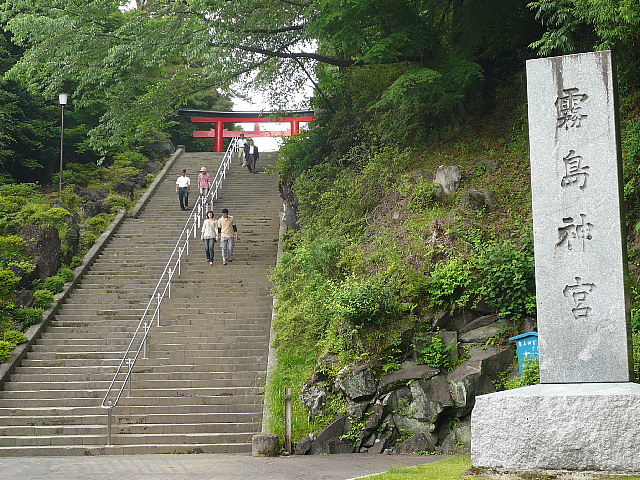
point(583, 416)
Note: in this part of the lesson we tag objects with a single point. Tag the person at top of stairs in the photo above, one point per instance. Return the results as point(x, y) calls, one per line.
point(183, 185)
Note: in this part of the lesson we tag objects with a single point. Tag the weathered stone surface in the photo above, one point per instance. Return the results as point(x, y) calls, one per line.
point(429, 398)
point(482, 334)
point(357, 384)
point(125, 189)
point(43, 244)
point(151, 167)
point(479, 322)
point(452, 321)
point(423, 442)
point(265, 445)
point(314, 397)
point(140, 180)
point(356, 410)
point(490, 165)
point(91, 194)
point(408, 424)
point(585, 426)
point(328, 440)
point(383, 441)
point(91, 209)
point(579, 237)
point(457, 439)
point(476, 376)
point(409, 371)
point(304, 445)
point(449, 177)
point(24, 298)
point(478, 199)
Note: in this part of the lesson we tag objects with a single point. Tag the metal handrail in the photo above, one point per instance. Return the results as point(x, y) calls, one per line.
point(138, 342)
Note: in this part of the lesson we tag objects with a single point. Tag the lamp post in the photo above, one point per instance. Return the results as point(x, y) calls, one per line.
point(62, 97)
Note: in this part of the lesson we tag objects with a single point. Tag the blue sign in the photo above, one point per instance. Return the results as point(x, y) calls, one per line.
point(527, 347)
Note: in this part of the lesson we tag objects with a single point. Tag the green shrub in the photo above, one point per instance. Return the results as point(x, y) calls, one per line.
point(8, 281)
point(54, 283)
point(66, 273)
point(530, 375)
point(431, 350)
point(43, 299)
point(366, 303)
point(6, 348)
point(118, 201)
point(130, 158)
point(14, 336)
point(449, 284)
point(94, 227)
point(423, 196)
point(29, 315)
point(507, 277)
point(70, 199)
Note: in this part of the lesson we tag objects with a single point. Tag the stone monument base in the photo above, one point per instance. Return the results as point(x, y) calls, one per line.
point(583, 426)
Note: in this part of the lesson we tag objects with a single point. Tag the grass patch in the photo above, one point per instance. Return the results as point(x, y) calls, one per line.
point(454, 467)
point(449, 469)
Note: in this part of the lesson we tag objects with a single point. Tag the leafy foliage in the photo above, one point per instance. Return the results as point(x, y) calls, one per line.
point(530, 375)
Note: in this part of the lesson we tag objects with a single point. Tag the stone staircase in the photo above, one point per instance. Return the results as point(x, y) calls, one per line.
point(201, 388)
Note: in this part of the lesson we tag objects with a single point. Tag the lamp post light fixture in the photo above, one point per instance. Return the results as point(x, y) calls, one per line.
point(62, 97)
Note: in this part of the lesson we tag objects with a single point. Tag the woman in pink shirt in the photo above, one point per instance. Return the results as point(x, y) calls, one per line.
point(204, 182)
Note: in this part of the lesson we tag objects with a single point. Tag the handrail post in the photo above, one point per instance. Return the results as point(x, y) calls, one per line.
point(158, 308)
point(169, 283)
point(144, 346)
point(109, 421)
point(130, 363)
point(287, 420)
point(179, 260)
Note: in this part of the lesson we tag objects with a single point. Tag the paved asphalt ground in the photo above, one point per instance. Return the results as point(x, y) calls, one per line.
point(204, 466)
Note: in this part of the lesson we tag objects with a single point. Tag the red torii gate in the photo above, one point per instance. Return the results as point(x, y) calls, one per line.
point(219, 118)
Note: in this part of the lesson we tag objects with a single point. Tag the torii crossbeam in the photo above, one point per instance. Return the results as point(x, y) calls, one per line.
point(219, 118)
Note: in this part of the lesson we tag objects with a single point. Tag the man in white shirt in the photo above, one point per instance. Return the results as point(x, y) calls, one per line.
point(183, 185)
point(242, 142)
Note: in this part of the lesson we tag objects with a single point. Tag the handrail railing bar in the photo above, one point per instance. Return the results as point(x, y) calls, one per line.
point(195, 216)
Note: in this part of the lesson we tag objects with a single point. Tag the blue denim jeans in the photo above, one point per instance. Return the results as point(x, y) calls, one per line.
point(208, 248)
point(183, 195)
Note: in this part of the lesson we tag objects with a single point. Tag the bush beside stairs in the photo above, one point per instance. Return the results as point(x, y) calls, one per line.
point(201, 388)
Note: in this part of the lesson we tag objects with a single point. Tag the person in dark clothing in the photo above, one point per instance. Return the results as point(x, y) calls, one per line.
point(251, 154)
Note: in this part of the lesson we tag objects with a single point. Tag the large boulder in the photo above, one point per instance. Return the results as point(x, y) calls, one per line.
point(90, 194)
point(151, 167)
point(483, 333)
point(314, 396)
point(449, 177)
point(429, 398)
point(329, 440)
point(409, 372)
point(358, 384)
point(423, 442)
point(91, 209)
point(477, 375)
point(44, 246)
point(478, 199)
point(125, 189)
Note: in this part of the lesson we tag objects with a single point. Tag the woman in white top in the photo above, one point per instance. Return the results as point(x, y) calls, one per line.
point(209, 235)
